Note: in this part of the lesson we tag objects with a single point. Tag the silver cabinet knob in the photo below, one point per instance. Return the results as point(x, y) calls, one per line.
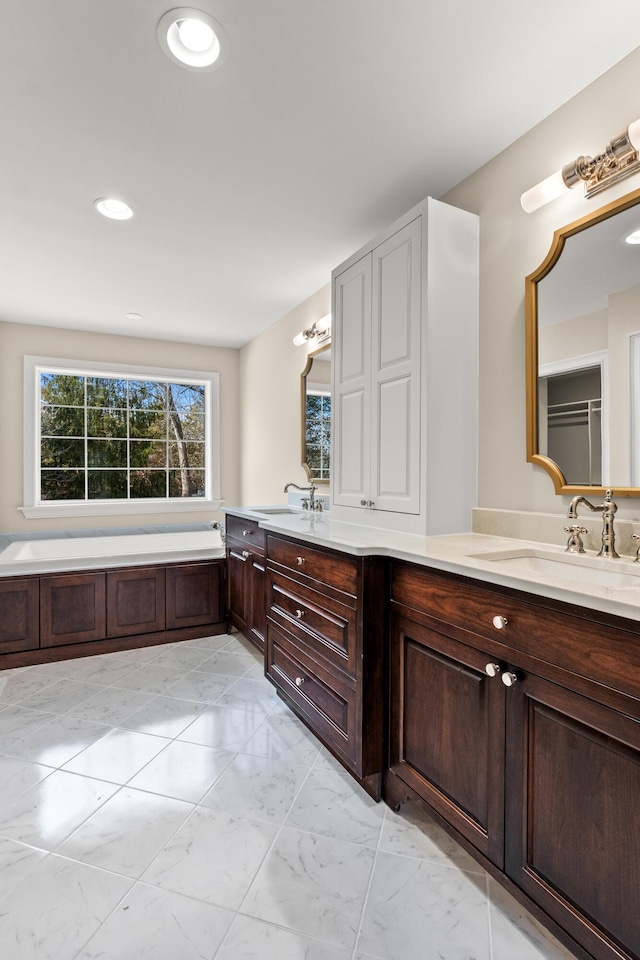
point(299, 561)
point(500, 622)
point(492, 669)
point(363, 503)
point(247, 533)
point(246, 554)
point(299, 681)
point(299, 614)
point(509, 679)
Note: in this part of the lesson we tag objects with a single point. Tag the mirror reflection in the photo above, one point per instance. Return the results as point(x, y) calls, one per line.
point(316, 415)
point(587, 324)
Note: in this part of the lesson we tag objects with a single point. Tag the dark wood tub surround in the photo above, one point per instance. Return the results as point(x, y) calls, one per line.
point(57, 616)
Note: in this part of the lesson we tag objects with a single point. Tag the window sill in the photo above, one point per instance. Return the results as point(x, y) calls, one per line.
point(112, 508)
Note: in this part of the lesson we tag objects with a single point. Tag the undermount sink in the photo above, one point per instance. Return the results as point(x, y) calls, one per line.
point(277, 510)
point(572, 568)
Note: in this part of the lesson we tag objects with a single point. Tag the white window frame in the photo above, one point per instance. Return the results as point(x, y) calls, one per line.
point(34, 508)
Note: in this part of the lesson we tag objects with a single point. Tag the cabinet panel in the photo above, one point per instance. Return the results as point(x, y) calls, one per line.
point(396, 480)
point(72, 609)
point(19, 615)
point(573, 789)
point(193, 594)
point(135, 601)
point(351, 420)
point(238, 562)
point(246, 532)
point(323, 625)
point(447, 731)
point(328, 704)
point(334, 570)
point(258, 620)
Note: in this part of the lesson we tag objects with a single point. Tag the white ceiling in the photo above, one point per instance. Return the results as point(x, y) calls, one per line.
point(252, 181)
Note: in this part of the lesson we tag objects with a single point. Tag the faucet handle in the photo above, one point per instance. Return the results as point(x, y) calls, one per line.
point(574, 543)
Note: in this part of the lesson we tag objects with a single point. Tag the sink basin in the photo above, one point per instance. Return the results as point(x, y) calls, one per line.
point(532, 563)
point(277, 510)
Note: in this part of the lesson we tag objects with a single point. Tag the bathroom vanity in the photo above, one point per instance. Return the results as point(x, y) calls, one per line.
point(510, 709)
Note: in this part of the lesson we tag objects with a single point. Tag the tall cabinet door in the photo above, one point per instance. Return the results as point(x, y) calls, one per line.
point(395, 387)
point(352, 408)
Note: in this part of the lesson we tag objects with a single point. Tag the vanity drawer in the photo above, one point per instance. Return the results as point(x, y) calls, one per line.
point(328, 567)
point(328, 704)
point(245, 531)
point(321, 624)
point(604, 655)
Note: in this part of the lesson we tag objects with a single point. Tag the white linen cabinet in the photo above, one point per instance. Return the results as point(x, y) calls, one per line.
point(405, 347)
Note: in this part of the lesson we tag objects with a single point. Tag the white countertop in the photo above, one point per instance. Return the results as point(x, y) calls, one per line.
point(455, 554)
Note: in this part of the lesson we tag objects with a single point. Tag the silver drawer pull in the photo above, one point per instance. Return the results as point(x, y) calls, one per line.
point(247, 533)
point(299, 561)
point(299, 614)
point(492, 669)
point(299, 681)
point(500, 622)
point(246, 554)
point(509, 679)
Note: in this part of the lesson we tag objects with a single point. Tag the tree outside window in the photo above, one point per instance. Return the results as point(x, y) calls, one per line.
point(114, 438)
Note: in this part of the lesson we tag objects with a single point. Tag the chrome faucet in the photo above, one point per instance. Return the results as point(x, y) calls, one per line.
point(608, 511)
point(309, 502)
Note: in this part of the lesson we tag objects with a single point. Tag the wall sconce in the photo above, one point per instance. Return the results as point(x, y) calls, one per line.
point(620, 159)
point(320, 329)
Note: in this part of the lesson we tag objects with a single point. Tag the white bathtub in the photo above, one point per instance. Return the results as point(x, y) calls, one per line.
point(77, 553)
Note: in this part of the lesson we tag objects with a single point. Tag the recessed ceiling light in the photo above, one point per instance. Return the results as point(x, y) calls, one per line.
point(133, 316)
point(633, 237)
point(115, 209)
point(192, 38)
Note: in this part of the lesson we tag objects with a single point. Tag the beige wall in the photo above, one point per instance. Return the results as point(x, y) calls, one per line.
point(512, 245)
point(573, 338)
point(18, 340)
point(270, 400)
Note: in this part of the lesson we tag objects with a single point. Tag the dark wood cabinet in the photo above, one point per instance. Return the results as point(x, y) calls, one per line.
point(538, 765)
point(135, 601)
point(100, 611)
point(325, 646)
point(72, 609)
point(19, 615)
point(448, 731)
point(573, 813)
point(194, 594)
point(246, 586)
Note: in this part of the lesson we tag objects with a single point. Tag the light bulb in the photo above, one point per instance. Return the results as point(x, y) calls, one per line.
point(633, 133)
point(196, 35)
point(554, 186)
point(114, 209)
point(323, 324)
point(300, 338)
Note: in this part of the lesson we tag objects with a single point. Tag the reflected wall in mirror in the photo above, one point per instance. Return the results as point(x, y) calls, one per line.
point(316, 415)
point(583, 354)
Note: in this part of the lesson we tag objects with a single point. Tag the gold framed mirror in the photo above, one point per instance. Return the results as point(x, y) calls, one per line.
point(582, 309)
point(316, 415)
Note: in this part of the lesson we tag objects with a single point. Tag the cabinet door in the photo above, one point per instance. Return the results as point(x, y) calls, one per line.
point(447, 731)
point(19, 615)
point(395, 373)
point(573, 814)
point(258, 617)
point(351, 420)
point(72, 609)
point(238, 563)
point(193, 594)
point(135, 601)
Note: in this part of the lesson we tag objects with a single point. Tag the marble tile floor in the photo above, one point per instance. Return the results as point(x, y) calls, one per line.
point(164, 804)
